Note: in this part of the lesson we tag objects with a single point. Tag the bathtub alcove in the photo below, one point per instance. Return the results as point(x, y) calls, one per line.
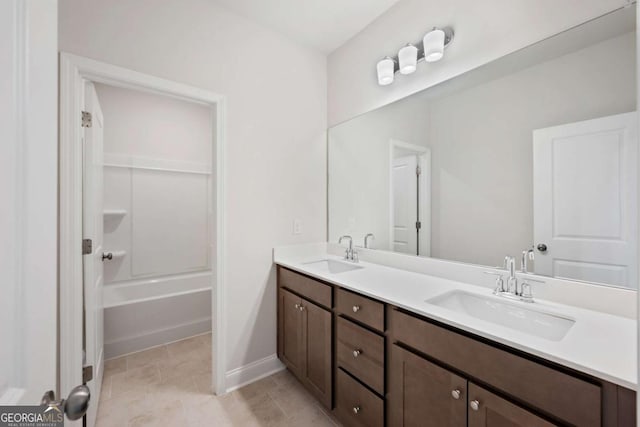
point(157, 219)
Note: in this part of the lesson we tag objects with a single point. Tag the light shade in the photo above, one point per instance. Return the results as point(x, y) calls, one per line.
point(433, 45)
point(385, 69)
point(408, 59)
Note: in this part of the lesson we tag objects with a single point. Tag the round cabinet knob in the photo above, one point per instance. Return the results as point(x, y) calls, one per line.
point(356, 308)
point(542, 247)
point(297, 306)
point(475, 405)
point(356, 410)
point(301, 308)
point(357, 353)
point(455, 394)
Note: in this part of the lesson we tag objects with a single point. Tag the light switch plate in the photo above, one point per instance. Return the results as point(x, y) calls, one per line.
point(297, 226)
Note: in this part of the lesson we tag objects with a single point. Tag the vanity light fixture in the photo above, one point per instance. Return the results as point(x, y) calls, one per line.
point(408, 59)
point(386, 69)
point(434, 42)
point(429, 49)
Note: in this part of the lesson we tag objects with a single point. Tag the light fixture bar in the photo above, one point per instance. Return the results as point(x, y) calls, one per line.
point(448, 38)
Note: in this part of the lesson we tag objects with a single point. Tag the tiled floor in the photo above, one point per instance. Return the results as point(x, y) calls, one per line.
point(169, 386)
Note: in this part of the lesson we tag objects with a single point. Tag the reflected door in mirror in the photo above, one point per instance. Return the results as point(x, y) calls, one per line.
point(585, 200)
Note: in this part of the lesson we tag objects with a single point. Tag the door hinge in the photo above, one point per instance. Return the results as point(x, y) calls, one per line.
point(86, 119)
point(87, 247)
point(87, 374)
point(418, 225)
point(418, 170)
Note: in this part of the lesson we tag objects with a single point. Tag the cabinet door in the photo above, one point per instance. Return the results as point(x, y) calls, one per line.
point(290, 345)
point(423, 394)
point(317, 334)
point(488, 410)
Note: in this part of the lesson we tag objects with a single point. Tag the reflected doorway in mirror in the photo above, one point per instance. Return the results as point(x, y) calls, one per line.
point(409, 198)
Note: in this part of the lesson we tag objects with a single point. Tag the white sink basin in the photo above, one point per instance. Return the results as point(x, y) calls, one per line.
point(514, 315)
point(332, 266)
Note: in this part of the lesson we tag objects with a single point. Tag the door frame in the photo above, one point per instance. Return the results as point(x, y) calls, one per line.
point(29, 218)
point(424, 161)
point(74, 70)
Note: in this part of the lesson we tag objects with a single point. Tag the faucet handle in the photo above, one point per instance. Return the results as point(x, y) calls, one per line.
point(499, 281)
point(526, 294)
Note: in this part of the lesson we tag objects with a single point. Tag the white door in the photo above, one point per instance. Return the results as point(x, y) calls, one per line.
point(585, 200)
point(28, 190)
point(404, 185)
point(92, 228)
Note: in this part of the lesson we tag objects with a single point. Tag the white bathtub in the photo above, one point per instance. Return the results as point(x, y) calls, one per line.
point(146, 313)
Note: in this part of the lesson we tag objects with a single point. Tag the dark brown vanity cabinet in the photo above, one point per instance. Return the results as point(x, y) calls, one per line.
point(305, 343)
point(389, 367)
point(290, 347)
point(424, 394)
point(489, 410)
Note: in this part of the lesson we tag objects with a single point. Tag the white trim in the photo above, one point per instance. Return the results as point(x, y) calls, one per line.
point(218, 305)
point(638, 178)
point(167, 165)
point(253, 371)
point(74, 70)
point(424, 161)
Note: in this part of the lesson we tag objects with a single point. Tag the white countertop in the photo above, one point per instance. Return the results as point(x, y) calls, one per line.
point(599, 344)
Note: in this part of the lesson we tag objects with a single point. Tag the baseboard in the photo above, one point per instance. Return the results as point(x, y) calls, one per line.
point(155, 338)
point(253, 371)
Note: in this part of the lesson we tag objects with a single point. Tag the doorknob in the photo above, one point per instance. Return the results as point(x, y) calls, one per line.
point(542, 247)
point(74, 406)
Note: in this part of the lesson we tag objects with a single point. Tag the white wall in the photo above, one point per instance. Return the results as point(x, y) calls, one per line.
point(481, 149)
point(484, 31)
point(275, 131)
point(151, 126)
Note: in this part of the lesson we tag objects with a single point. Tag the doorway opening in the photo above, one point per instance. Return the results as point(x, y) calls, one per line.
point(141, 218)
point(409, 198)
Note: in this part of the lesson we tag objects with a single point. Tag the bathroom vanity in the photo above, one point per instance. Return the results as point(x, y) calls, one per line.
point(531, 158)
point(376, 362)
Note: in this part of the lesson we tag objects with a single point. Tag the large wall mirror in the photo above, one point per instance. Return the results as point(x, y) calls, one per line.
point(535, 152)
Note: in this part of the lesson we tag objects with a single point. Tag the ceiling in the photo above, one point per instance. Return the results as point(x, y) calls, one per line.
point(321, 24)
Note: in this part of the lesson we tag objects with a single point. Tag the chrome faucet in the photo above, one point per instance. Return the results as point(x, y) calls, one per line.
point(512, 281)
point(527, 256)
point(350, 254)
point(511, 289)
point(366, 240)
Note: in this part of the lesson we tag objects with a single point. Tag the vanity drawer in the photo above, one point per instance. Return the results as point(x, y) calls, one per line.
point(545, 389)
point(360, 308)
point(314, 290)
point(355, 405)
point(361, 353)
